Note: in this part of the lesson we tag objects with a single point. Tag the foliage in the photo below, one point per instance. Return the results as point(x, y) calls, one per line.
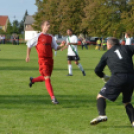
point(92, 17)
point(16, 26)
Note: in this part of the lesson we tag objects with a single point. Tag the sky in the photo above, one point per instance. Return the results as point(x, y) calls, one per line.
point(15, 9)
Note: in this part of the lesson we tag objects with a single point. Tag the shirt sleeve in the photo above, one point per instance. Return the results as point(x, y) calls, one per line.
point(54, 44)
point(131, 48)
point(129, 41)
point(75, 40)
point(32, 42)
point(100, 67)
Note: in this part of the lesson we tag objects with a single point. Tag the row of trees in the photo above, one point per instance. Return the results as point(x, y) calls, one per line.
point(15, 26)
point(91, 17)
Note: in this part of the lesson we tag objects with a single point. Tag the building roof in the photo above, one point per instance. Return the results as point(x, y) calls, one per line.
point(29, 20)
point(3, 20)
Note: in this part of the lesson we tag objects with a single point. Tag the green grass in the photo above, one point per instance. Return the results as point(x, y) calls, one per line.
point(25, 110)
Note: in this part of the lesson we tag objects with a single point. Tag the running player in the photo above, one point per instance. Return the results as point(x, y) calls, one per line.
point(119, 60)
point(44, 43)
point(71, 44)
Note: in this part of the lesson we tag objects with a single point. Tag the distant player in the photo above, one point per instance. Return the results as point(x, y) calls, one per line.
point(71, 44)
point(119, 60)
point(128, 39)
point(44, 44)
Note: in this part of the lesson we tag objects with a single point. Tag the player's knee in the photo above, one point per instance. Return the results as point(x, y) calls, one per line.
point(47, 77)
point(69, 62)
point(125, 104)
point(99, 96)
point(76, 62)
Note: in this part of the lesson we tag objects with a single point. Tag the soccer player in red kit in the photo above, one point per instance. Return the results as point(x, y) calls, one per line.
point(44, 44)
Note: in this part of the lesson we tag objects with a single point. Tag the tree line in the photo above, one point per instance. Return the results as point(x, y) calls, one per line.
point(91, 17)
point(15, 26)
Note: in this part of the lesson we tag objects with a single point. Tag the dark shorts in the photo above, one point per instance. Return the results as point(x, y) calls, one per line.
point(120, 83)
point(73, 58)
point(99, 45)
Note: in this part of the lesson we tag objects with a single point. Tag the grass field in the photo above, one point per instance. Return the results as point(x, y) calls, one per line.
point(25, 110)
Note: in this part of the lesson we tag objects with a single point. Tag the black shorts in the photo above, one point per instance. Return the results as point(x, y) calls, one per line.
point(119, 83)
point(74, 58)
point(99, 45)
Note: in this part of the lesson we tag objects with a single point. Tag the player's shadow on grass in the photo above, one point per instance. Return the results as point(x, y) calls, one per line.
point(122, 126)
point(20, 68)
point(32, 101)
point(12, 60)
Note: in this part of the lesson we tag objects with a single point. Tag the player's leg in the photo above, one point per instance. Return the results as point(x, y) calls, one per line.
point(55, 53)
point(86, 46)
point(110, 91)
point(80, 67)
point(101, 106)
point(127, 95)
point(47, 71)
point(50, 89)
point(130, 112)
point(70, 73)
point(37, 79)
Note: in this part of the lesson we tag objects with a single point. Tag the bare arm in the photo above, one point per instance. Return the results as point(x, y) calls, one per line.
point(28, 54)
point(65, 47)
point(60, 46)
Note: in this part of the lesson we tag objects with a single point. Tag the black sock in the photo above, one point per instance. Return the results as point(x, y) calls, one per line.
point(101, 105)
point(130, 112)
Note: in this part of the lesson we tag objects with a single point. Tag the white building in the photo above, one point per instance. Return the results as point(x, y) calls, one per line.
point(29, 31)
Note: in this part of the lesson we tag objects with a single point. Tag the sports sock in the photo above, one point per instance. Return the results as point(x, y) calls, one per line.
point(130, 112)
point(70, 69)
point(38, 79)
point(49, 88)
point(80, 67)
point(101, 105)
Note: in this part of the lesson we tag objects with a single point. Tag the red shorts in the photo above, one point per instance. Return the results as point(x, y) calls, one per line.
point(46, 67)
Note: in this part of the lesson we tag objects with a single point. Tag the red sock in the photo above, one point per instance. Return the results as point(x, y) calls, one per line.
point(38, 79)
point(49, 88)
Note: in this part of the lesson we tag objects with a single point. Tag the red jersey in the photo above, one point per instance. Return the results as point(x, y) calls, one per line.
point(43, 46)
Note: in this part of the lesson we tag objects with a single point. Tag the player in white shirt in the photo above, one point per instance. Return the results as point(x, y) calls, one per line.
point(72, 55)
point(128, 39)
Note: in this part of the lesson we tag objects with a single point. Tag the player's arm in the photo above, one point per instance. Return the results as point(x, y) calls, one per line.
point(28, 54)
point(55, 46)
point(31, 43)
point(100, 67)
point(65, 47)
point(72, 44)
point(130, 48)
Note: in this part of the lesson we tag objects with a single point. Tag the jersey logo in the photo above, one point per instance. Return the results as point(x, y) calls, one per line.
point(118, 54)
point(103, 89)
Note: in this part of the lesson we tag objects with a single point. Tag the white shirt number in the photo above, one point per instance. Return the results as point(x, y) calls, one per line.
point(118, 54)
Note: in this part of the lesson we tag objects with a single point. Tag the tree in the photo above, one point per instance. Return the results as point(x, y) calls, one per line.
point(128, 17)
point(103, 18)
point(62, 15)
point(21, 26)
point(70, 15)
point(92, 17)
point(47, 10)
point(2, 32)
point(24, 18)
point(9, 28)
point(15, 26)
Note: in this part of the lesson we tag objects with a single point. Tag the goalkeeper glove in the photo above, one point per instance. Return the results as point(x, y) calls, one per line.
point(106, 78)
